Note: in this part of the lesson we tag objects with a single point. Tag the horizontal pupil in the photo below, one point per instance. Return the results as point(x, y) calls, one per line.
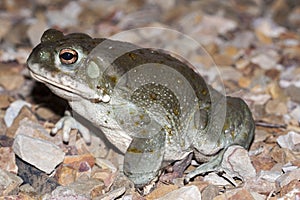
point(67, 56)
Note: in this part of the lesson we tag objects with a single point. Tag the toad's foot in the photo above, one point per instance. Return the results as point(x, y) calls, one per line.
point(214, 165)
point(177, 170)
point(67, 123)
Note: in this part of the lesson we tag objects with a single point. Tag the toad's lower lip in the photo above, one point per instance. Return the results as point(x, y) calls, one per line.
point(80, 90)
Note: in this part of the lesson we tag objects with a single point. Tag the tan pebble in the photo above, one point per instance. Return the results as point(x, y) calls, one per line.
point(275, 91)
point(45, 113)
point(75, 161)
point(5, 101)
point(222, 60)
point(289, 187)
point(161, 190)
point(276, 107)
point(242, 63)
point(211, 48)
point(65, 175)
point(7, 160)
point(262, 37)
point(231, 51)
point(24, 113)
point(244, 82)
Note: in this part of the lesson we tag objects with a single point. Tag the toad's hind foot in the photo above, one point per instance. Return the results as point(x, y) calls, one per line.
point(214, 165)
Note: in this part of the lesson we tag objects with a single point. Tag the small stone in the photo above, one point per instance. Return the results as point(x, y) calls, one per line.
point(9, 183)
point(265, 61)
point(10, 77)
point(25, 115)
point(244, 82)
point(27, 188)
point(34, 129)
point(45, 113)
point(97, 147)
point(242, 194)
point(275, 91)
point(231, 51)
point(229, 73)
point(215, 179)
point(236, 163)
point(210, 192)
point(65, 193)
point(65, 175)
point(4, 101)
point(258, 196)
point(161, 190)
point(270, 176)
point(75, 161)
point(243, 39)
point(285, 190)
point(13, 111)
point(288, 177)
point(291, 141)
point(241, 64)
point(223, 60)
point(235, 194)
point(106, 164)
point(88, 187)
point(259, 185)
point(40, 153)
point(114, 194)
point(184, 193)
point(268, 28)
point(282, 155)
point(295, 113)
point(7, 160)
point(68, 16)
point(263, 162)
point(259, 99)
point(276, 107)
point(104, 175)
point(211, 48)
point(294, 17)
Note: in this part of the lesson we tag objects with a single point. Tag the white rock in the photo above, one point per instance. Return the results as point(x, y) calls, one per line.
point(288, 167)
point(293, 194)
point(9, 182)
point(295, 114)
point(64, 193)
point(66, 17)
point(288, 177)
point(236, 163)
point(270, 176)
point(185, 193)
point(39, 153)
point(13, 111)
point(268, 27)
point(215, 179)
point(291, 141)
point(264, 61)
point(258, 196)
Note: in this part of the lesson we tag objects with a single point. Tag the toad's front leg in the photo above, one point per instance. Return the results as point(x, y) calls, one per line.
point(67, 123)
point(143, 159)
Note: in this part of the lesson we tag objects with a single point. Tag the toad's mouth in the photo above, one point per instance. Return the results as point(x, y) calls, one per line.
point(68, 85)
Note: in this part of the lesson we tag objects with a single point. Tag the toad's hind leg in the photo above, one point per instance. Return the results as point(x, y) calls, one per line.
point(213, 165)
point(238, 129)
point(144, 158)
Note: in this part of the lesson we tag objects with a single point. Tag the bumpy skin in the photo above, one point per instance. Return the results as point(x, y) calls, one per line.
point(150, 105)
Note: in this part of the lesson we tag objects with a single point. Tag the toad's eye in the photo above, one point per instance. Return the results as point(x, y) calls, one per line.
point(68, 56)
